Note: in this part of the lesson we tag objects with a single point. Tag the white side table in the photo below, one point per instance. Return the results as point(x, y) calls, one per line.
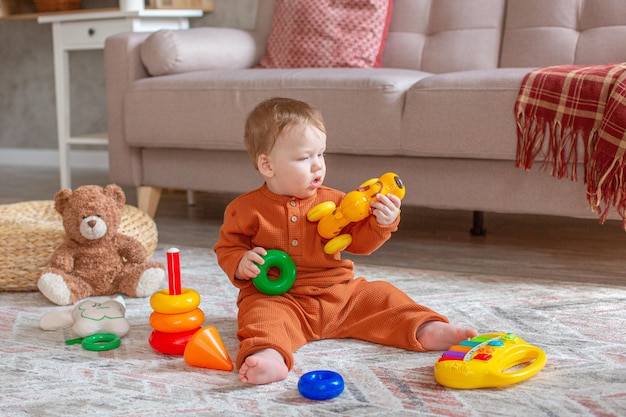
point(88, 30)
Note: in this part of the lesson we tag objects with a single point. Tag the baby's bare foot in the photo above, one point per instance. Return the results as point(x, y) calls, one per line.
point(439, 335)
point(263, 367)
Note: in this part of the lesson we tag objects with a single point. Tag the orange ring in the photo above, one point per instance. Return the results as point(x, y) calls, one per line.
point(163, 302)
point(175, 323)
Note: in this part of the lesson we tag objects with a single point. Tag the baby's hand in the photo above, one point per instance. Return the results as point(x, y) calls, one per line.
point(248, 268)
point(386, 209)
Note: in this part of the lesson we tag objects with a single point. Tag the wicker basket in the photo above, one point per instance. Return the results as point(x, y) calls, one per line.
point(31, 231)
point(44, 6)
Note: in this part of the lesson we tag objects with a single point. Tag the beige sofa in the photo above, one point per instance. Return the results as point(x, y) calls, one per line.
point(439, 112)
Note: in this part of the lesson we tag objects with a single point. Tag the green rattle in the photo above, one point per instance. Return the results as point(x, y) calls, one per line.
point(276, 259)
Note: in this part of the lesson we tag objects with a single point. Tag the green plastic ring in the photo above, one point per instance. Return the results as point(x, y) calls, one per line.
point(276, 259)
point(101, 341)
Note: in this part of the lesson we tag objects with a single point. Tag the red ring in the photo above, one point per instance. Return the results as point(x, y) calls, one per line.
point(171, 343)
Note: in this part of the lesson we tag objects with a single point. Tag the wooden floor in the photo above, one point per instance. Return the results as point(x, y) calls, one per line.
point(515, 245)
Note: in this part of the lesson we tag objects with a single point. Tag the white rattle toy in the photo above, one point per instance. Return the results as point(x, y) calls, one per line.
point(89, 317)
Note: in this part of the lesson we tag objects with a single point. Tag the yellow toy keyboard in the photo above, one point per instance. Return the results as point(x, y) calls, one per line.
point(489, 360)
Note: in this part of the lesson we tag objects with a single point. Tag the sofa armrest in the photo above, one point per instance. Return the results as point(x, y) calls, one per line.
point(123, 67)
point(203, 48)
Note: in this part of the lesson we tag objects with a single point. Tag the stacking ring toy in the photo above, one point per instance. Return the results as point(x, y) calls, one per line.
point(98, 342)
point(320, 385)
point(276, 259)
point(176, 323)
point(163, 302)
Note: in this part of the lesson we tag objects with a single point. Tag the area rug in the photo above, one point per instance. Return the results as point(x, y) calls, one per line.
point(579, 326)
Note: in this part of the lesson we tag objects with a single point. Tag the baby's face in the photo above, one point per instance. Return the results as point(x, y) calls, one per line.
point(297, 162)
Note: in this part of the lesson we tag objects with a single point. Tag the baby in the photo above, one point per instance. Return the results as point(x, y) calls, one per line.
point(286, 140)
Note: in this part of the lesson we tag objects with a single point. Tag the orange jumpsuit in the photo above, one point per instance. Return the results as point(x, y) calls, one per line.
point(326, 301)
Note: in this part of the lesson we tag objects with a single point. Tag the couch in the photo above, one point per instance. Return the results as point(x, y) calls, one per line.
point(439, 111)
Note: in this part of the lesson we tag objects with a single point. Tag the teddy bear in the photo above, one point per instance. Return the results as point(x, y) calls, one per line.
point(95, 259)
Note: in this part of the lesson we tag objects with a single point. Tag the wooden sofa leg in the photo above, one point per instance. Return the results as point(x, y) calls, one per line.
point(148, 199)
point(478, 224)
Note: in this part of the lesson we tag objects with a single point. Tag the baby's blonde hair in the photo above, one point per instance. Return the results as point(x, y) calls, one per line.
point(271, 117)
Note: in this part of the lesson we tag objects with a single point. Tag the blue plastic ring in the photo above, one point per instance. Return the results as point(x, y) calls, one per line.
point(320, 385)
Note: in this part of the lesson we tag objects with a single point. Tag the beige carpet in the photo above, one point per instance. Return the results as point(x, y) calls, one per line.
point(580, 327)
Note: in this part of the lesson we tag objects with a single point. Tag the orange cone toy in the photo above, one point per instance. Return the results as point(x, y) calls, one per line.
point(206, 350)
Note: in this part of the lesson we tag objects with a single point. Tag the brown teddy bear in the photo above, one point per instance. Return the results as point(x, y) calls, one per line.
point(95, 259)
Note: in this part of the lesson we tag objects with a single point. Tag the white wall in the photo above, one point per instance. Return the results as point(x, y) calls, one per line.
point(27, 109)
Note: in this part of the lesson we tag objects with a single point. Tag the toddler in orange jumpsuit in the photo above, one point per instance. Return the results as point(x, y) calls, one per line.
point(286, 140)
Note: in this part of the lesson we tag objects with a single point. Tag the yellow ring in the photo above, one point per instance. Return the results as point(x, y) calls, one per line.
point(176, 323)
point(163, 302)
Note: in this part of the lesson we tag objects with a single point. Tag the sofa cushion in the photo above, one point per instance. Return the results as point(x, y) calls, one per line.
point(444, 35)
point(327, 33)
point(362, 107)
point(463, 115)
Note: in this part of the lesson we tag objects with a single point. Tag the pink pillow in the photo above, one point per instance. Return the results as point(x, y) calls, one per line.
point(327, 33)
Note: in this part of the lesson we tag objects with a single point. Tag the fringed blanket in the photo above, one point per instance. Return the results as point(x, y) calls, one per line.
point(564, 110)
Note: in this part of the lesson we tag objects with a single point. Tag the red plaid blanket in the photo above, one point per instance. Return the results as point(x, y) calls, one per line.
point(566, 110)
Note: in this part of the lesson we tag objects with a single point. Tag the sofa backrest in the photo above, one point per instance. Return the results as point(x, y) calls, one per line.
point(442, 36)
point(552, 32)
point(431, 35)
